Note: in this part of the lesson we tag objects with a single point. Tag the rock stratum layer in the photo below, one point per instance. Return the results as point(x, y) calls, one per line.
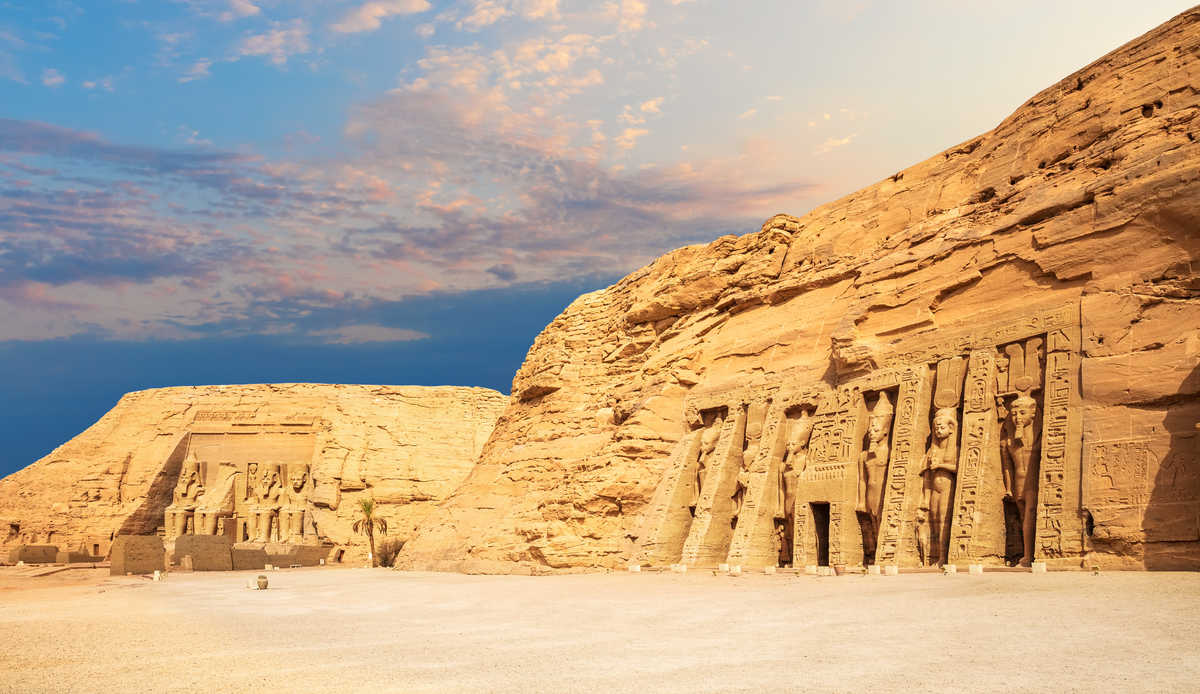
point(1047, 267)
point(405, 447)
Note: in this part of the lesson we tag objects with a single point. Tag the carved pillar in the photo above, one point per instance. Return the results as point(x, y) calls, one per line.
point(667, 521)
point(803, 541)
point(977, 530)
point(1059, 525)
point(897, 531)
point(708, 539)
point(753, 541)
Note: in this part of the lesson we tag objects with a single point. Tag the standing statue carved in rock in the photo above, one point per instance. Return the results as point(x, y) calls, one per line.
point(938, 471)
point(794, 461)
point(183, 503)
point(1020, 448)
point(708, 444)
point(268, 492)
point(872, 470)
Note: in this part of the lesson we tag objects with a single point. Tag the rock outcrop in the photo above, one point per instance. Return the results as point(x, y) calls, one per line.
point(1038, 283)
point(405, 447)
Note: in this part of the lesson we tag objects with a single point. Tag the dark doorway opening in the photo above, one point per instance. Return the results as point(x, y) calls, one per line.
point(821, 526)
point(95, 550)
point(1014, 538)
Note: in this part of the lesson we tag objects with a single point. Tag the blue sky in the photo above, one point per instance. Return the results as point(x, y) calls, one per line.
point(206, 191)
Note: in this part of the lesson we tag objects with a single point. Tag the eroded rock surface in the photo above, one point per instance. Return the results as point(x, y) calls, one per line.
point(320, 447)
point(1048, 266)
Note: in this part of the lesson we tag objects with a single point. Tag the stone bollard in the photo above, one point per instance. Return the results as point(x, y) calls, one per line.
point(975, 569)
point(635, 568)
point(891, 570)
point(949, 569)
point(873, 570)
point(1039, 567)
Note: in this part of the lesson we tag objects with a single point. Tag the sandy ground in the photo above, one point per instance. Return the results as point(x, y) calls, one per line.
point(354, 630)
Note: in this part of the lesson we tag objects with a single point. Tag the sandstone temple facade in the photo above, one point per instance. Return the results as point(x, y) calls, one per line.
point(276, 466)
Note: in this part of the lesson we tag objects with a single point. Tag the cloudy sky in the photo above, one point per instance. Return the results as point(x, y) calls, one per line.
point(406, 191)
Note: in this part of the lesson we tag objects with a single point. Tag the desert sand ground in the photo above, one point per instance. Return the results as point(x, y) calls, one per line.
point(361, 630)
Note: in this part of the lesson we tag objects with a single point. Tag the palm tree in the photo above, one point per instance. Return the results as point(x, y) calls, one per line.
point(367, 525)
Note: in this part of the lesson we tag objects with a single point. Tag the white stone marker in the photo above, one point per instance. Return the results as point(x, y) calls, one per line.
point(975, 569)
point(891, 570)
point(1039, 567)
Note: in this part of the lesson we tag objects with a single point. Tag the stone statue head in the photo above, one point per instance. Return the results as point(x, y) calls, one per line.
point(299, 477)
point(881, 419)
point(251, 470)
point(1022, 411)
point(945, 423)
point(802, 429)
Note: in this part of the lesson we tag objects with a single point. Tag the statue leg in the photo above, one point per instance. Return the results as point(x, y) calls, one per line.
point(1028, 527)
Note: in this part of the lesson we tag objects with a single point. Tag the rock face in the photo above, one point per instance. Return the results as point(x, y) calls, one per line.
point(988, 357)
point(201, 455)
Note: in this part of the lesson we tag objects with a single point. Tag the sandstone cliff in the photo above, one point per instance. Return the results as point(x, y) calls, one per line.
point(406, 447)
point(1085, 201)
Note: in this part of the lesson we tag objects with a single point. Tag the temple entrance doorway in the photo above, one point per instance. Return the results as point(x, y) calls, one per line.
point(821, 529)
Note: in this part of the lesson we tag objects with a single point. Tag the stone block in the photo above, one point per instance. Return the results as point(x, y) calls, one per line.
point(811, 570)
point(950, 569)
point(891, 570)
point(249, 557)
point(75, 557)
point(769, 570)
point(33, 554)
point(207, 552)
point(635, 568)
point(873, 570)
point(137, 554)
point(285, 554)
point(975, 569)
point(1039, 567)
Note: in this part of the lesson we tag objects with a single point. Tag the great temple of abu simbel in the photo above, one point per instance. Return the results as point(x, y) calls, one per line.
point(990, 359)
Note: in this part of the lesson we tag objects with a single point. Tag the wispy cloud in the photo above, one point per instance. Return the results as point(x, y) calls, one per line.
point(239, 9)
point(833, 143)
point(53, 78)
point(284, 39)
point(357, 334)
point(369, 16)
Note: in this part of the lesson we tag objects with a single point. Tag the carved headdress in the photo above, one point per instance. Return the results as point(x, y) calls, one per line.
point(883, 406)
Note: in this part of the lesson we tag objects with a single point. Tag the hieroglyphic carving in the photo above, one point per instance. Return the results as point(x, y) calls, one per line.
point(802, 536)
point(837, 552)
point(1061, 375)
point(907, 436)
point(979, 421)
